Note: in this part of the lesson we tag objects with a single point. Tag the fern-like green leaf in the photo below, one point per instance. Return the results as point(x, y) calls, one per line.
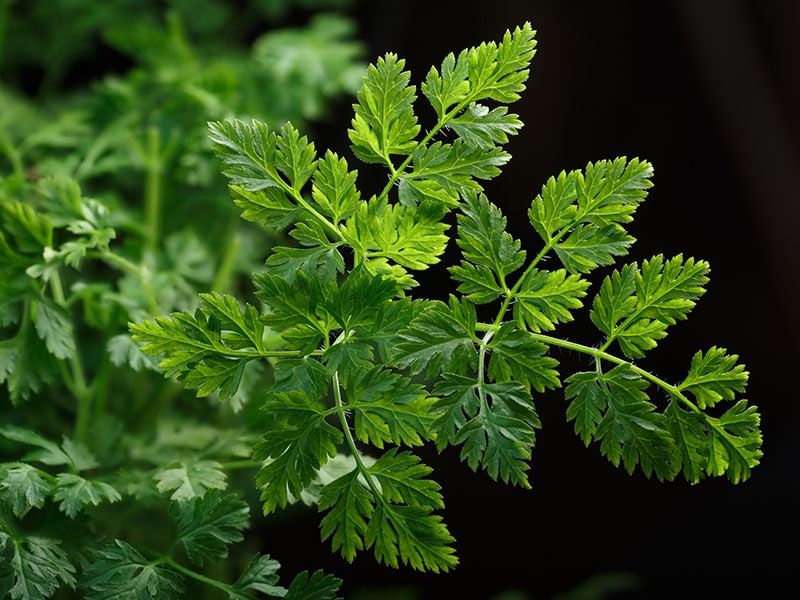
point(207, 525)
point(384, 123)
point(119, 571)
point(635, 306)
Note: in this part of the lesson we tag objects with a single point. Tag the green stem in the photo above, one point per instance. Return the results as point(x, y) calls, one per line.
point(79, 387)
point(348, 434)
point(164, 559)
point(152, 196)
point(224, 276)
point(14, 157)
point(142, 272)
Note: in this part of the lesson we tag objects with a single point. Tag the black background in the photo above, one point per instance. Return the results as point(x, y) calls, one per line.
point(709, 92)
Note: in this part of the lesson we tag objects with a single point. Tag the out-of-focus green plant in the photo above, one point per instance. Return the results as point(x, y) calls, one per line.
point(112, 209)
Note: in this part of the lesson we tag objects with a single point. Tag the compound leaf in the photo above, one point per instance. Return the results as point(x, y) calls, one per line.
point(297, 442)
point(317, 586)
point(441, 338)
point(190, 480)
point(411, 535)
point(207, 525)
point(384, 123)
point(261, 575)
point(635, 306)
point(34, 566)
point(121, 572)
point(23, 487)
point(714, 376)
point(74, 492)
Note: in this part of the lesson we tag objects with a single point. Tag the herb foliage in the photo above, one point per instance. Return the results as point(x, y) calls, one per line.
point(338, 367)
point(367, 366)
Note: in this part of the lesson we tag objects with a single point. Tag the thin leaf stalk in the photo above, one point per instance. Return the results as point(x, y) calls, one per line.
point(340, 406)
point(76, 381)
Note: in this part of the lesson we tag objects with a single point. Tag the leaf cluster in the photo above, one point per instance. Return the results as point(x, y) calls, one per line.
point(366, 367)
point(110, 212)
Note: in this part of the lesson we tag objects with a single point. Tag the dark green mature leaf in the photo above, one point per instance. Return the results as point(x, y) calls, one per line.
point(72, 454)
point(350, 506)
point(388, 408)
point(613, 408)
point(411, 535)
point(261, 575)
point(297, 442)
point(490, 252)
point(734, 442)
point(517, 355)
point(207, 525)
point(384, 123)
point(23, 487)
point(192, 480)
point(34, 566)
point(442, 338)
point(74, 493)
point(495, 422)
point(317, 586)
point(404, 479)
point(119, 571)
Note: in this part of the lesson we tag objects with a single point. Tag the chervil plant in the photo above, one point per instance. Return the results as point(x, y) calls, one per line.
point(366, 368)
point(322, 385)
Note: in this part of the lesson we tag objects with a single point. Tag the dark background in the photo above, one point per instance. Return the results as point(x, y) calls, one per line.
point(709, 92)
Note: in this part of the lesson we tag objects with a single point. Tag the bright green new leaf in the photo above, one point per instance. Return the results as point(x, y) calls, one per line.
point(456, 167)
point(257, 158)
point(714, 376)
point(543, 299)
point(635, 306)
point(384, 123)
point(581, 214)
point(401, 234)
point(334, 188)
point(483, 128)
point(207, 525)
